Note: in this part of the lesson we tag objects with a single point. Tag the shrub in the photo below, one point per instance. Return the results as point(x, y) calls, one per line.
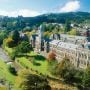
point(86, 78)
point(12, 56)
point(12, 70)
point(28, 81)
point(9, 42)
point(16, 37)
point(51, 56)
point(51, 66)
point(24, 47)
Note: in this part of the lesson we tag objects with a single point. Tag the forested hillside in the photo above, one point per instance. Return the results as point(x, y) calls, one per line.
point(18, 23)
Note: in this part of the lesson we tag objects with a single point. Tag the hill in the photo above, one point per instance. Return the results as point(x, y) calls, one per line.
point(11, 23)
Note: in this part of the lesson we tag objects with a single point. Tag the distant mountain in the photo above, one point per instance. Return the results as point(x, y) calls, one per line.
point(21, 22)
point(77, 17)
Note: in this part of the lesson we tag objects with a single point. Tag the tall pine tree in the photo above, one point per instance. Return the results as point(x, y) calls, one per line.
point(16, 36)
point(67, 26)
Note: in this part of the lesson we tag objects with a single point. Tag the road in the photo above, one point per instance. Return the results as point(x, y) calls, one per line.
point(4, 56)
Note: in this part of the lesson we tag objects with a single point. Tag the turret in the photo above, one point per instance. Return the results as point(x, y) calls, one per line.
point(41, 38)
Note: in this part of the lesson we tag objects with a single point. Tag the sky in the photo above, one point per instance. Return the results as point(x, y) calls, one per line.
point(32, 8)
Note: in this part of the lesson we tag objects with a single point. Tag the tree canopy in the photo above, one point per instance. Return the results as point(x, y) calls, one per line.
point(16, 36)
point(86, 78)
point(30, 81)
point(23, 47)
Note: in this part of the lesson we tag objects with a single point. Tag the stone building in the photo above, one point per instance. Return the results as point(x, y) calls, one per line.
point(76, 48)
point(79, 57)
point(40, 43)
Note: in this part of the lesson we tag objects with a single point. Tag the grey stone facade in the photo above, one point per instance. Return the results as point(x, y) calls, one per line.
point(79, 57)
point(76, 48)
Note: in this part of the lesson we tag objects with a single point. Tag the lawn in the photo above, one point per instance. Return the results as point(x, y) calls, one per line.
point(8, 50)
point(34, 61)
point(3, 88)
point(5, 74)
point(40, 65)
point(32, 53)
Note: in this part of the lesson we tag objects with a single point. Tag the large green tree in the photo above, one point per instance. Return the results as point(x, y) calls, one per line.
point(27, 28)
point(16, 36)
point(3, 35)
point(66, 70)
point(67, 26)
point(28, 81)
point(23, 47)
point(86, 78)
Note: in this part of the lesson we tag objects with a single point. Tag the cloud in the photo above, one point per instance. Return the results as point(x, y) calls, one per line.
point(23, 12)
point(71, 6)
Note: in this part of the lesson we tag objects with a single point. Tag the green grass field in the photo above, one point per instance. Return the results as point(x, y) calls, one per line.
point(3, 88)
point(40, 65)
point(8, 50)
point(33, 61)
point(5, 74)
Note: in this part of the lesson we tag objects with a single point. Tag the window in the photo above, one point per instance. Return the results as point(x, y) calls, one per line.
point(85, 56)
point(84, 62)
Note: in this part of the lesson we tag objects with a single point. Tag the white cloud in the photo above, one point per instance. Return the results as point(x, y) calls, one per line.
point(71, 6)
point(23, 12)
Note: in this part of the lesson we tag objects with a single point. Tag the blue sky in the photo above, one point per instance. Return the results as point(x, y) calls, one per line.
point(37, 7)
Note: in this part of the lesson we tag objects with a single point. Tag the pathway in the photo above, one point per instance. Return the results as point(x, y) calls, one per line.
point(4, 56)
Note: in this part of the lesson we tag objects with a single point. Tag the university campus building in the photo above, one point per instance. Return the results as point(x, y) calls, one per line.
point(76, 48)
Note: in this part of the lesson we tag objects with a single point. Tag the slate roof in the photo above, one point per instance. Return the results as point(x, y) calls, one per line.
point(61, 44)
point(70, 46)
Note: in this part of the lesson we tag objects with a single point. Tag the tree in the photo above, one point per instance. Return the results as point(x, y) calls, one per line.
point(62, 67)
point(13, 55)
point(27, 28)
point(65, 70)
point(12, 70)
point(28, 81)
point(72, 32)
point(67, 26)
point(25, 38)
point(68, 72)
point(3, 35)
point(51, 56)
point(23, 47)
point(86, 78)
point(47, 34)
point(9, 42)
point(16, 37)
point(52, 66)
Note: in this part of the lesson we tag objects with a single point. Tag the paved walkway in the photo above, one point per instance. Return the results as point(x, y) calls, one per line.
point(4, 56)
